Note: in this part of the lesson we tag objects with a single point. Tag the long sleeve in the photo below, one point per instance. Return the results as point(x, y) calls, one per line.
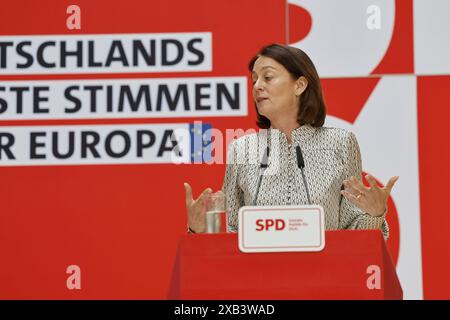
point(234, 197)
point(350, 216)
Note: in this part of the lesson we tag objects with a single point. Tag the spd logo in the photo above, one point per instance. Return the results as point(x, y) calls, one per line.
point(270, 224)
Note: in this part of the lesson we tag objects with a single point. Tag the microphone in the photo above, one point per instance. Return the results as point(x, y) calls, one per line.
point(263, 166)
point(301, 165)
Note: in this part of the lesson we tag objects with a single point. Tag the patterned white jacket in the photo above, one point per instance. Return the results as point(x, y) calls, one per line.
point(330, 155)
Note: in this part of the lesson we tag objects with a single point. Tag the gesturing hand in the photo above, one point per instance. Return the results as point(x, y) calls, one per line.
point(372, 199)
point(196, 209)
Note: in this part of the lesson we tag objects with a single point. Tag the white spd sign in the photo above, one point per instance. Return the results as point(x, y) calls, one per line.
point(281, 228)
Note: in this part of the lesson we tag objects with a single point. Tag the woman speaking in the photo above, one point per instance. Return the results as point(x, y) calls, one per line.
point(307, 163)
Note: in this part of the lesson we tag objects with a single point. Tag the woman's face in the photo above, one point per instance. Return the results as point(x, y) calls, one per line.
point(275, 92)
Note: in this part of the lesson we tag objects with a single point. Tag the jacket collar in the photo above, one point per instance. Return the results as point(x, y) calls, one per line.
point(299, 135)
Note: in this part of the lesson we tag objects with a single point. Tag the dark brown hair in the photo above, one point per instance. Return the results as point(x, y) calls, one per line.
point(312, 108)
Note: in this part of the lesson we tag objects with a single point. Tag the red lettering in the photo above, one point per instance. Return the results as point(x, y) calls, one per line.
point(260, 225)
point(280, 224)
point(269, 223)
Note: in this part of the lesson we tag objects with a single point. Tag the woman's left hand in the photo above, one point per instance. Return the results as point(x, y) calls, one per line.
point(373, 199)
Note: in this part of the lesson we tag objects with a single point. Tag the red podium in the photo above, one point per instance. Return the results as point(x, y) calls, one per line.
point(354, 265)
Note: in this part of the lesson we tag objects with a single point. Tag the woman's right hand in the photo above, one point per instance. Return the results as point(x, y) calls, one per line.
point(196, 209)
